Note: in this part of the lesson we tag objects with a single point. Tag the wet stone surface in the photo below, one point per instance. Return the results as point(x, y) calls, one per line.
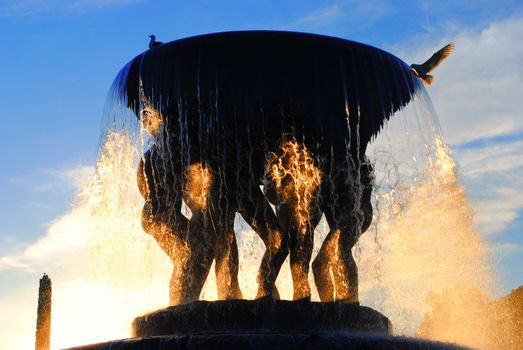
point(269, 341)
point(263, 315)
point(264, 324)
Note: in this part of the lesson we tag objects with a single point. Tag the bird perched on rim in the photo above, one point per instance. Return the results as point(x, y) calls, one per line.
point(422, 70)
point(153, 42)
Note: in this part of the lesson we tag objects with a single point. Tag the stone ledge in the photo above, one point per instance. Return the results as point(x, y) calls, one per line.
point(268, 341)
point(265, 315)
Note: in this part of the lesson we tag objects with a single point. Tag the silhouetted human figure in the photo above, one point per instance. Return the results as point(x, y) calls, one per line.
point(293, 186)
point(185, 241)
point(209, 234)
point(231, 98)
point(214, 189)
point(343, 192)
point(165, 181)
point(346, 202)
point(237, 191)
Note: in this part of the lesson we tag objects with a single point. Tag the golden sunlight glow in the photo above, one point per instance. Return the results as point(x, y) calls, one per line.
point(296, 178)
point(199, 181)
point(421, 244)
point(150, 117)
point(444, 162)
point(126, 273)
point(424, 242)
point(466, 316)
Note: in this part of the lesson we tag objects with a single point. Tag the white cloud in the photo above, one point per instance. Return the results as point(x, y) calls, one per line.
point(60, 252)
point(65, 235)
point(52, 8)
point(321, 17)
point(502, 207)
point(505, 248)
point(493, 175)
point(76, 176)
point(349, 11)
point(29, 185)
point(477, 95)
point(478, 89)
point(502, 157)
point(91, 250)
point(49, 180)
point(56, 250)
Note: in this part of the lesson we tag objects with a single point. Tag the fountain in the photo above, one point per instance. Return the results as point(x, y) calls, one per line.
point(242, 122)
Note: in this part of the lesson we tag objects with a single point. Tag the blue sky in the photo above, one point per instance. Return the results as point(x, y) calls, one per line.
point(59, 58)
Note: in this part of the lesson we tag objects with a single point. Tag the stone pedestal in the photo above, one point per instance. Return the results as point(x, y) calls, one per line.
point(248, 316)
point(264, 325)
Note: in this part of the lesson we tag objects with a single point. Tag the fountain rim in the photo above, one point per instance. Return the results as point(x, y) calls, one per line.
point(273, 43)
point(269, 34)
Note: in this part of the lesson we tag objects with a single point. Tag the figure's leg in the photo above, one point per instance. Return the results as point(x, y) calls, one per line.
point(226, 269)
point(220, 210)
point(184, 250)
point(188, 243)
point(206, 193)
point(257, 212)
point(296, 178)
point(192, 251)
point(321, 266)
point(232, 267)
point(345, 273)
point(174, 246)
point(301, 233)
point(186, 279)
point(353, 214)
point(177, 287)
point(161, 217)
point(199, 241)
point(164, 227)
point(226, 254)
point(346, 220)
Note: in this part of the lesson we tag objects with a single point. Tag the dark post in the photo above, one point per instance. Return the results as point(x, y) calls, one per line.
point(43, 317)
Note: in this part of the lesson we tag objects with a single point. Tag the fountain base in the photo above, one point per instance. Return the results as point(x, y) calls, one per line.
point(264, 315)
point(264, 324)
point(269, 341)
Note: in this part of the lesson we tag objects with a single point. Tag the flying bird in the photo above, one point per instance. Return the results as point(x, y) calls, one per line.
point(153, 42)
point(422, 70)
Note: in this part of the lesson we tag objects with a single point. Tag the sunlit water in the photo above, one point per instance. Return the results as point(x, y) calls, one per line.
point(421, 242)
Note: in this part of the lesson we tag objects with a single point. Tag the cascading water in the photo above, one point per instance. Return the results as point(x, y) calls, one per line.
point(421, 240)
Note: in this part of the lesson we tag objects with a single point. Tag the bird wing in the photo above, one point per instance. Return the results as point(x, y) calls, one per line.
point(437, 58)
